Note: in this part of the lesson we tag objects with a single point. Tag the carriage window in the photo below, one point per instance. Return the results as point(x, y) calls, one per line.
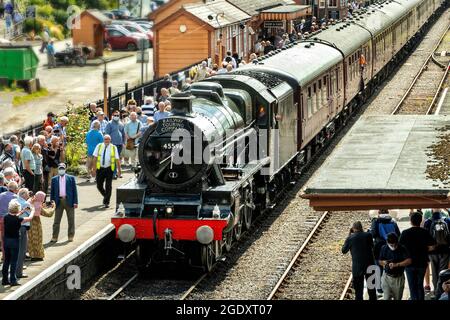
point(320, 95)
point(309, 103)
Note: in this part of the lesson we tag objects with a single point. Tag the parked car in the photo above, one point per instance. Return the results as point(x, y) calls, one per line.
point(109, 14)
point(120, 38)
point(122, 14)
point(136, 28)
point(145, 24)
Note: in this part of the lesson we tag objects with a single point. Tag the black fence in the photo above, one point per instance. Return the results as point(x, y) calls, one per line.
point(120, 99)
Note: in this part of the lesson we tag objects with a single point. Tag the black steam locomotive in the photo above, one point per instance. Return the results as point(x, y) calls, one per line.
point(234, 142)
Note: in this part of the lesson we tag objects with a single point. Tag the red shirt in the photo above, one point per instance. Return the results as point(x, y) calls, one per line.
point(48, 122)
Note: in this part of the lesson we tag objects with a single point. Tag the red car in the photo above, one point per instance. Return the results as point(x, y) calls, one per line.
point(119, 38)
point(136, 28)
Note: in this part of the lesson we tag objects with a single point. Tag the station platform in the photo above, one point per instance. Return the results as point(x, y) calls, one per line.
point(90, 218)
point(392, 162)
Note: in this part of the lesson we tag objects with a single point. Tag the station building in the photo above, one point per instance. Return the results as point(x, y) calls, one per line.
point(188, 31)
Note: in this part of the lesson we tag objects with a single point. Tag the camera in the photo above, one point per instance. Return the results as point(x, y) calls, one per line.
point(48, 203)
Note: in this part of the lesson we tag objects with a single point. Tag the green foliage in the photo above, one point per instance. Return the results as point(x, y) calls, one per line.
point(37, 2)
point(60, 16)
point(45, 11)
point(98, 4)
point(33, 24)
point(76, 132)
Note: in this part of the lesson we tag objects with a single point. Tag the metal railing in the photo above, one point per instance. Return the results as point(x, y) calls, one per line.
point(119, 100)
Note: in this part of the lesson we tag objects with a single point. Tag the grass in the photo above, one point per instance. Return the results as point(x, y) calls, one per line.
point(18, 100)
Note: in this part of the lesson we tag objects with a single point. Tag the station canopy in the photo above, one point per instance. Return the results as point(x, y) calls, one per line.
point(287, 12)
point(386, 162)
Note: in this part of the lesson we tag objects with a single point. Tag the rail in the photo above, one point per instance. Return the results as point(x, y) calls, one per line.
point(297, 256)
point(423, 68)
point(438, 92)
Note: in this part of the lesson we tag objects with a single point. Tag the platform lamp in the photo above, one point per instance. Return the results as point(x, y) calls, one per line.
point(106, 53)
point(219, 41)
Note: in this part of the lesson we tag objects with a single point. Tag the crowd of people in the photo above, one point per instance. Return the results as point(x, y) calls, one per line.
point(12, 17)
point(31, 170)
point(424, 246)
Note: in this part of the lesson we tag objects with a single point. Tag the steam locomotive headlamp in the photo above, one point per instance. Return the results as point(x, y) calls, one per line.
point(205, 234)
point(126, 233)
point(169, 210)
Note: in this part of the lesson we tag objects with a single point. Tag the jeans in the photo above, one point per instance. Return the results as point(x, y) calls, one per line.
point(23, 241)
point(358, 285)
point(11, 254)
point(415, 276)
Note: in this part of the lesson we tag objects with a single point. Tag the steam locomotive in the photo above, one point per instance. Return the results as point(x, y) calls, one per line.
point(235, 141)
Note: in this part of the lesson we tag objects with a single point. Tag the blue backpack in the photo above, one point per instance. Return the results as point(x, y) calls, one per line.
point(385, 228)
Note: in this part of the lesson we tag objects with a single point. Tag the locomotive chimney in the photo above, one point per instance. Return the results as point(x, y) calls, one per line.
point(181, 103)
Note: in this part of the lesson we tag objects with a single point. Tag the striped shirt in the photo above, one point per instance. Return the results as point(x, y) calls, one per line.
point(148, 109)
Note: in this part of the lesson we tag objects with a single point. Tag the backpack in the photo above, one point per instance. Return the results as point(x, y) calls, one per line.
point(440, 232)
point(385, 228)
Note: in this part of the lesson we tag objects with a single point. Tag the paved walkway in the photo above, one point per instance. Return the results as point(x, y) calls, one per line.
point(90, 218)
point(78, 85)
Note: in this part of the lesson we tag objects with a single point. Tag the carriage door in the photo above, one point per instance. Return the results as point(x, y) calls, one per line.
point(330, 98)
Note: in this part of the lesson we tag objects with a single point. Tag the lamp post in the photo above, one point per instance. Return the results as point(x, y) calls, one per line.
point(106, 52)
point(219, 41)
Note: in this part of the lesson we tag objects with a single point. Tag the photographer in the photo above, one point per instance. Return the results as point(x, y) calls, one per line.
point(394, 257)
point(360, 244)
point(13, 223)
point(55, 152)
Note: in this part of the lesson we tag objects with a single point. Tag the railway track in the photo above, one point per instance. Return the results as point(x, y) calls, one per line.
point(304, 278)
point(422, 94)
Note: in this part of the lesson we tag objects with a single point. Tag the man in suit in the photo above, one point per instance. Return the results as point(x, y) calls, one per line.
point(360, 244)
point(64, 193)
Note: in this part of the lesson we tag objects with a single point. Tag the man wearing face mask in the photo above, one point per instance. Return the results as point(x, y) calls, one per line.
point(64, 193)
point(115, 129)
point(394, 257)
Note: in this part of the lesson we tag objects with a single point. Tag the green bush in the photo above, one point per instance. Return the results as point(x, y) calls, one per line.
point(37, 2)
point(61, 4)
point(60, 16)
point(76, 131)
point(45, 11)
point(33, 24)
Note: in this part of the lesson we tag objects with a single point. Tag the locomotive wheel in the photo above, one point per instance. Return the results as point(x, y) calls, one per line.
point(228, 241)
point(248, 211)
point(238, 227)
point(207, 257)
